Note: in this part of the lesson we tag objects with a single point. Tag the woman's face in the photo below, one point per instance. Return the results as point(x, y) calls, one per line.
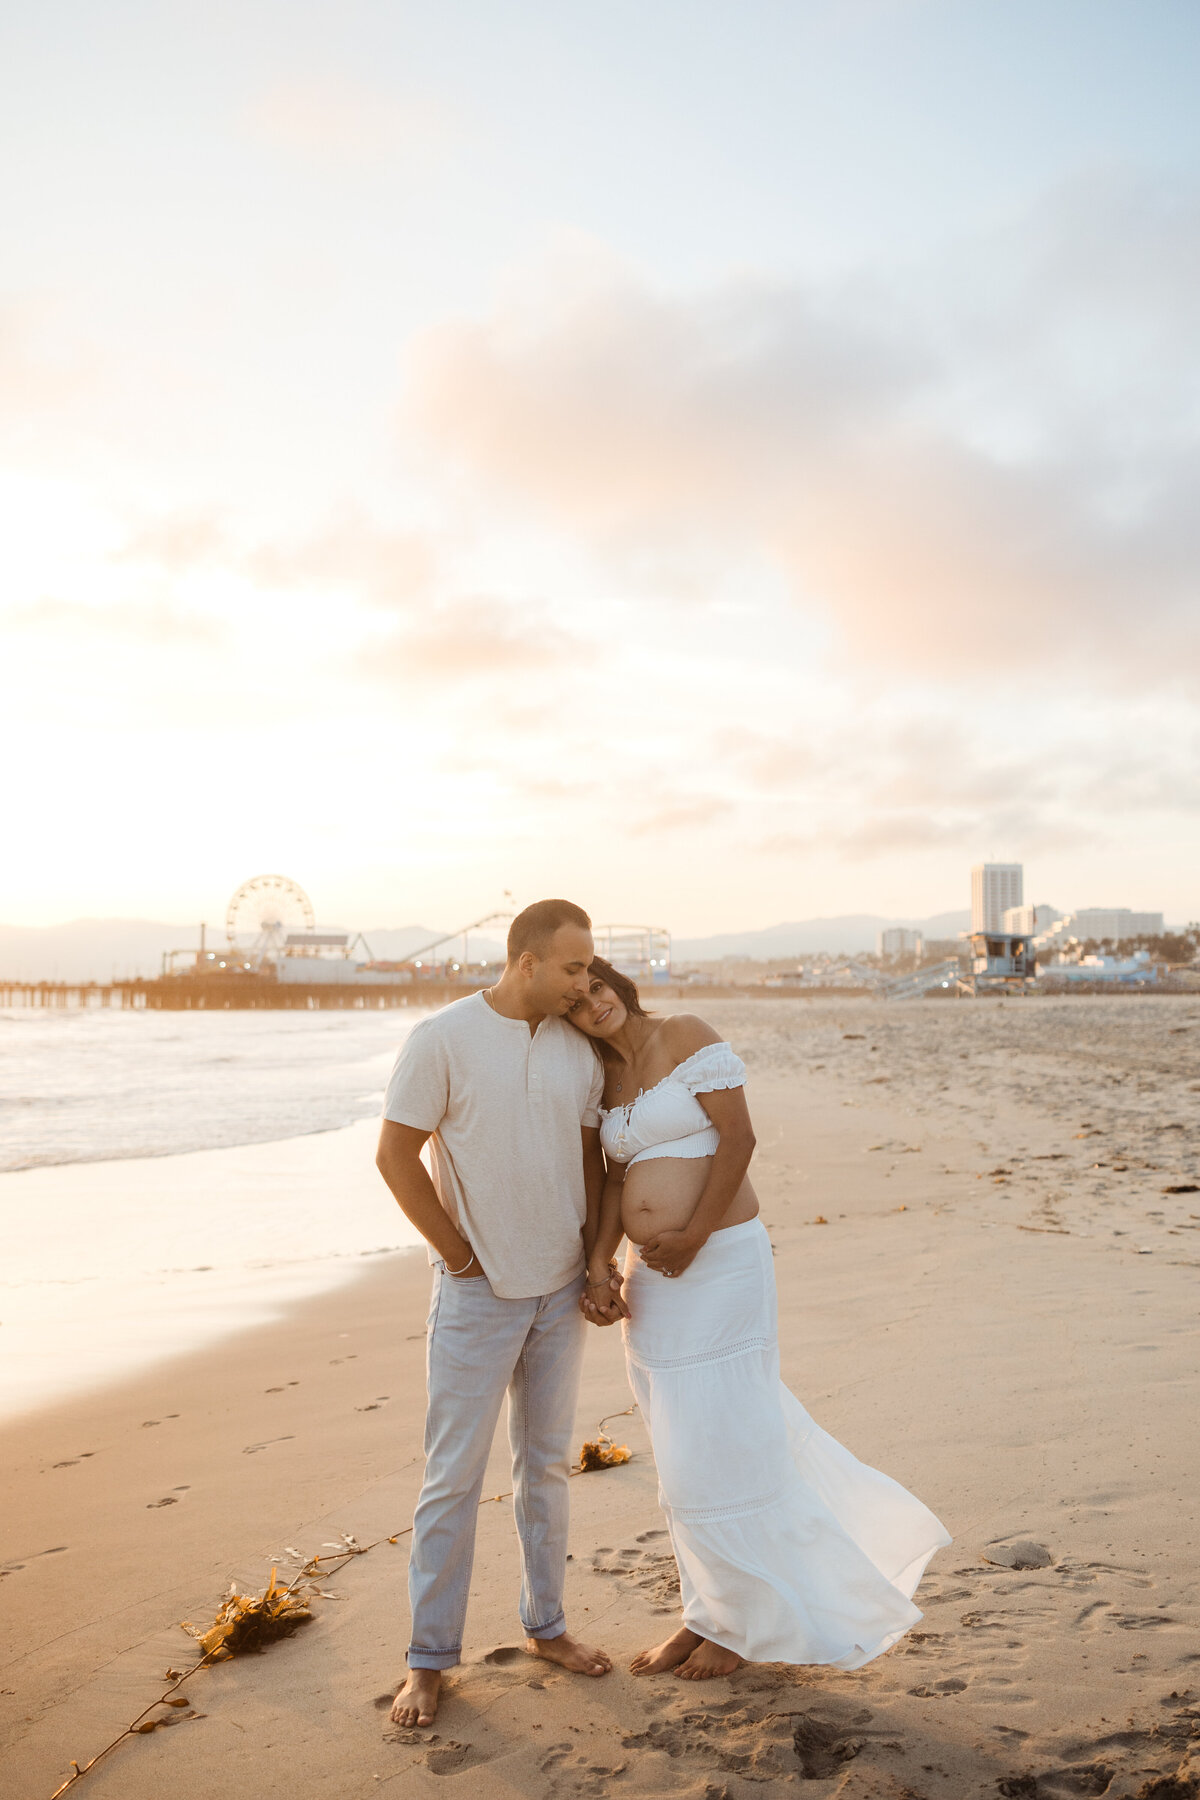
point(600, 1013)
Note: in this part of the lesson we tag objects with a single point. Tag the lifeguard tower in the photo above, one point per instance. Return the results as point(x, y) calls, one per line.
point(1002, 962)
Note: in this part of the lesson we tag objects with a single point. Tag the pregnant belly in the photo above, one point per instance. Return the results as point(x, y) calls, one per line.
point(661, 1195)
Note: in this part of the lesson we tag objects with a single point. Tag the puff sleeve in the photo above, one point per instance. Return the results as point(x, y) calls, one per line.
point(713, 1066)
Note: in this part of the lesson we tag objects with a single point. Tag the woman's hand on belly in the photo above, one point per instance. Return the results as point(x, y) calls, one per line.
point(661, 1195)
point(670, 1252)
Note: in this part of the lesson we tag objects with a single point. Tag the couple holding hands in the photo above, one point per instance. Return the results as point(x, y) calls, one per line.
point(561, 1118)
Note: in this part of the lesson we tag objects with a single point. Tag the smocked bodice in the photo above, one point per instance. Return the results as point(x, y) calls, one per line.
point(668, 1119)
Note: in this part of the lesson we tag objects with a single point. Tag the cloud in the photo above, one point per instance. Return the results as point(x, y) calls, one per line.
point(465, 639)
point(335, 119)
point(44, 376)
point(887, 789)
point(683, 815)
point(988, 467)
point(915, 832)
point(178, 543)
point(133, 621)
point(387, 568)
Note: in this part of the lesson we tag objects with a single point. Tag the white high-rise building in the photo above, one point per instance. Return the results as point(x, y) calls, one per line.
point(994, 888)
point(1115, 922)
point(1030, 920)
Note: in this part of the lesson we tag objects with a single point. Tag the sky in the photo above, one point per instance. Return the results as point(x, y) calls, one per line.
point(720, 463)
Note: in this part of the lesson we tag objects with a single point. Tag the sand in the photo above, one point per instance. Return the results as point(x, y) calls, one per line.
point(999, 1310)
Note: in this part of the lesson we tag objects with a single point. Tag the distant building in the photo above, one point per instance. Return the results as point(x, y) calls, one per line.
point(1031, 920)
point(994, 888)
point(1129, 971)
point(1116, 923)
point(899, 940)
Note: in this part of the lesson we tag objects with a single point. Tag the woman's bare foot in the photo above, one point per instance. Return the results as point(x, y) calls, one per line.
point(666, 1656)
point(569, 1654)
point(417, 1701)
point(707, 1660)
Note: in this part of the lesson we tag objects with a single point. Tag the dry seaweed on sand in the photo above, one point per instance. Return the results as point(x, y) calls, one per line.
point(601, 1453)
point(252, 1621)
point(247, 1622)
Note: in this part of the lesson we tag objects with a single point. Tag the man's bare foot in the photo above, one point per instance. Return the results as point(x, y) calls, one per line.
point(417, 1701)
point(568, 1654)
point(707, 1660)
point(666, 1656)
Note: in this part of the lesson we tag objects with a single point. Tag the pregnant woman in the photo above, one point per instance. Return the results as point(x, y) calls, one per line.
point(789, 1549)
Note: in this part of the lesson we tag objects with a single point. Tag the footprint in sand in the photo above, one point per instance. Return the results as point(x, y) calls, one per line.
point(824, 1740)
point(1019, 1553)
point(572, 1773)
point(252, 1449)
point(450, 1758)
point(1078, 1778)
point(647, 1564)
point(14, 1563)
point(167, 1500)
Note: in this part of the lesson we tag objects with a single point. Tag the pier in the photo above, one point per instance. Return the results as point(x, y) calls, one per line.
point(230, 993)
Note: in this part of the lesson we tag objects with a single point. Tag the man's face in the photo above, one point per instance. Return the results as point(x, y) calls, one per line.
point(560, 977)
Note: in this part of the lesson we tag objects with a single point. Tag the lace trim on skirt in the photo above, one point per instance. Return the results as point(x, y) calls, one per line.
point(737, 1509)
point(658, 1365)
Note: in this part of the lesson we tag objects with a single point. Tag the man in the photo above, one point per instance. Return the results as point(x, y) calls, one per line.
point(508, 1092)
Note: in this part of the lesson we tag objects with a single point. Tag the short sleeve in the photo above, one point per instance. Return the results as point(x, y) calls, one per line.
point(713, 1066)
point(418, 1093)
point(591, 1112)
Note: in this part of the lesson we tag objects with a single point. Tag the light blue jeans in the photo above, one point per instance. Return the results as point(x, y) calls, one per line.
point(477, 1347)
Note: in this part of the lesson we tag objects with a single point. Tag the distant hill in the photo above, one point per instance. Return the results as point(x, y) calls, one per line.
point(107, 949)
point(846, 934)
point(122, 949)
point(89, 949)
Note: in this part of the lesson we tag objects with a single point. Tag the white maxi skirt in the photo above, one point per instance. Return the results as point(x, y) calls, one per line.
point(789, 1549)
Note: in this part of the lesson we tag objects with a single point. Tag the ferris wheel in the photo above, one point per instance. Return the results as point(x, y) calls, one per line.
point(264, 911)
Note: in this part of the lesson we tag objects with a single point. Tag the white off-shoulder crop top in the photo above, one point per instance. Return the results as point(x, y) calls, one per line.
point(667, 1119)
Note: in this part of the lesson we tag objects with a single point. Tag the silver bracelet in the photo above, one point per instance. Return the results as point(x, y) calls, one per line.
point(464, 1268)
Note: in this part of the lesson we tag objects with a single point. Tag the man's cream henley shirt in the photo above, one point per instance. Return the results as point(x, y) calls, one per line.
point(505, 1107)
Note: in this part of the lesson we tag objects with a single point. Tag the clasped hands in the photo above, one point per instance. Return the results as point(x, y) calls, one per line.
point(601, 1302)
point(668, 1253)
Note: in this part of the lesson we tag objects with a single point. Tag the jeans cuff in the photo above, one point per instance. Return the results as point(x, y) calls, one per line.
point(554, 1629)
point(433, 1659)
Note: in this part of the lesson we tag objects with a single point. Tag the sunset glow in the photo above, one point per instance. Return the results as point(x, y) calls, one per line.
point(724, 466)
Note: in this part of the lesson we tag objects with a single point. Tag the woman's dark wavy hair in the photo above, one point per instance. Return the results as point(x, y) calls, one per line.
point(621, 985)
point(627, 994)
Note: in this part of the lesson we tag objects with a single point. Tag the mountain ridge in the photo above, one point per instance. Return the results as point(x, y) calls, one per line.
point(121, 949)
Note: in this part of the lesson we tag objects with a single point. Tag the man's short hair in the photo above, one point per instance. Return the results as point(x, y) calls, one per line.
point(535, 927)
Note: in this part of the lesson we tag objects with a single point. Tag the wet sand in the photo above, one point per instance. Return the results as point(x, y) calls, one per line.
point(999, 1310)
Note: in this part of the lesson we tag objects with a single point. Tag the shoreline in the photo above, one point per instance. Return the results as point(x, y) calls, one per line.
point(112, 1265)
point(1026, 1379)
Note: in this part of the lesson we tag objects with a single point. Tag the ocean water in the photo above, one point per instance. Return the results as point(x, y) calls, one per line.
point(168, 1179)
point(90, 1084)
